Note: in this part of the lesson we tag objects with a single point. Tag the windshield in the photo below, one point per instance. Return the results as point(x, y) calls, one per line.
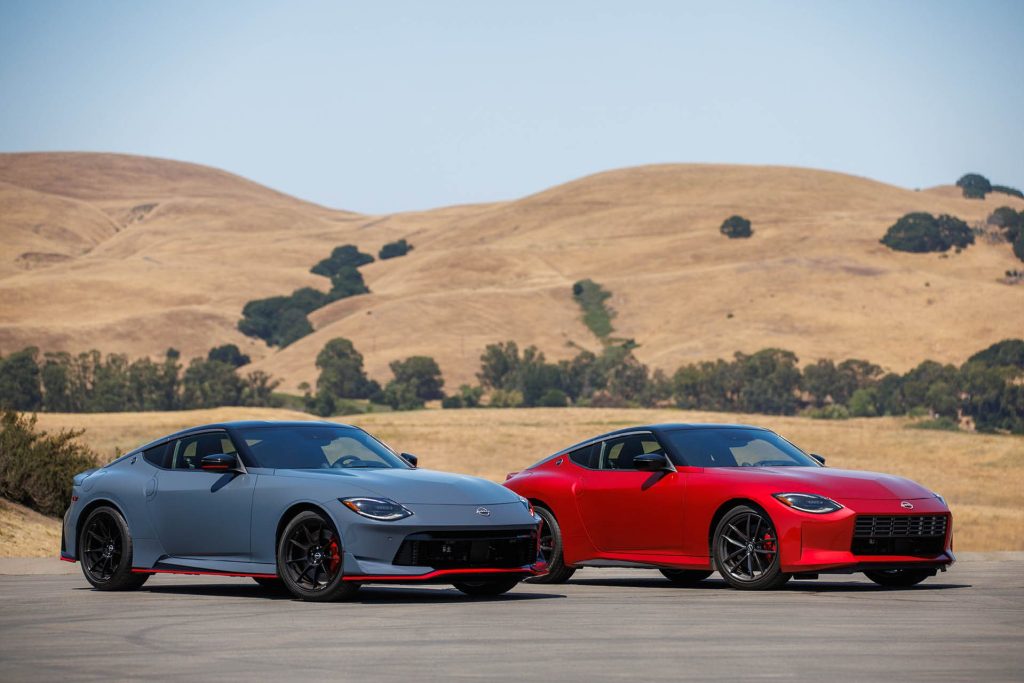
point(735, 447)
point(317, 447)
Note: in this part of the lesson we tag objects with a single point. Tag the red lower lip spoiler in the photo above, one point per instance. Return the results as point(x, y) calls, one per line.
point(406, 578)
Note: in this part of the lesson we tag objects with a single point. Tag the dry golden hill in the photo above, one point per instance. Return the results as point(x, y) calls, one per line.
point(134, 255)
point(981, 475)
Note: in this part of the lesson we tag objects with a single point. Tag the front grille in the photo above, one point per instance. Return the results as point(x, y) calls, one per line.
point(899, 535)
point(468, 549)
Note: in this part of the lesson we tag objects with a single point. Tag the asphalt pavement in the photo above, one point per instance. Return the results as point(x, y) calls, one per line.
point(964, 625)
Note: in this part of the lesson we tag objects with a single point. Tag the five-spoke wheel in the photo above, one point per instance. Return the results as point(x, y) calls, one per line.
point(746, 550)
point(309, 559)
point(105, 550)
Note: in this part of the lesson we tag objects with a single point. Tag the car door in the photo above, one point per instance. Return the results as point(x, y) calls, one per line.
point(626, 510)
point(197, 513)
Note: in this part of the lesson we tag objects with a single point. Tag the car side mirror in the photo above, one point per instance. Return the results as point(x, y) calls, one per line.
point(819, 458)
point(651, 462)
point(411, 459)
point(219, 462)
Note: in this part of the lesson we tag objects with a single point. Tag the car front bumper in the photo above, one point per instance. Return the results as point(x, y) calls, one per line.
point(832, 543)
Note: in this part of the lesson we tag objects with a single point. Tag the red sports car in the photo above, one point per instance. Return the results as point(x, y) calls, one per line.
point(690, 499)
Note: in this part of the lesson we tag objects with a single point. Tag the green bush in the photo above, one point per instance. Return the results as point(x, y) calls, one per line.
point(833, 411)
point(345, 256)
point(394, 249)
point(597, 315)
point(281, 320)
point(402, 396)
point(946, 424)
point(922, 232)
point(36, 468)
point(553, 398)
point(347, 282)
point(735, 227)
point(863, 403)
point(974, 185)
point(230, 354)
point(20, 380)
point(1005, 353)
point(421, 374)
point(502, 398)
point(468, 397)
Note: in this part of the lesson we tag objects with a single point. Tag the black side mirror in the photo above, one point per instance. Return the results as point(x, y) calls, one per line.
point(819, 458)
point(219, 462)
point(651, 462)
point(411, 459)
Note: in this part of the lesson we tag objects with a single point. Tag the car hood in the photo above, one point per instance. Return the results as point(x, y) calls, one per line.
point(837, 484)
point(413, 486)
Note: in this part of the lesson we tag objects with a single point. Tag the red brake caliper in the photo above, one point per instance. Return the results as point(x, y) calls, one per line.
point(768, 545)
point(333, 556)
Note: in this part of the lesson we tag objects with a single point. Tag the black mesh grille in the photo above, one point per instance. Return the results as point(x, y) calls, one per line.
point(900, 534)
point(468, 549)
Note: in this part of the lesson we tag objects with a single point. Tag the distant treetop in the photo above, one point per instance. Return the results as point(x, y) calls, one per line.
point(735, 227)
point(922, 232)
point(974, 185)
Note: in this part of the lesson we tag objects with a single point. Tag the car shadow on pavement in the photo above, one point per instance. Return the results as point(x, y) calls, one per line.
point(816, 586)
point(368, 594)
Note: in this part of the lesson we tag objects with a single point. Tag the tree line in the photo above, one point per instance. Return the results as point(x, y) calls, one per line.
point(91, 382)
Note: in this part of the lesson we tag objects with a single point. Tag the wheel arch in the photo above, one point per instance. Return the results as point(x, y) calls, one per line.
point(722, 510)
point(294, 509)
point(84, 515)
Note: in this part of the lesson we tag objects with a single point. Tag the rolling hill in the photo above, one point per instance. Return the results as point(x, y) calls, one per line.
point(134, 255)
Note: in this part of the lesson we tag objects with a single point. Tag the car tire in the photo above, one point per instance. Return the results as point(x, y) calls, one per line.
point(745, 548)
point(551, 549)
point(488, 588)
point(310, 545)
point(685, 577)
point(105, 551)
point(899, 578)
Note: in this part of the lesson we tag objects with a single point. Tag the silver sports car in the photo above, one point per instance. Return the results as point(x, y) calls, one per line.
point(316, 507)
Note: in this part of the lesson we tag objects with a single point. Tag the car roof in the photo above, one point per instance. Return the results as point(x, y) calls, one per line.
point(656, 428)
point(237, 424)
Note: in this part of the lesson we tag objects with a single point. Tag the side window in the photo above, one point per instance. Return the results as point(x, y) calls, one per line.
point(583, 456)
point(156, 456)
point(618, 454)
point(187, 452)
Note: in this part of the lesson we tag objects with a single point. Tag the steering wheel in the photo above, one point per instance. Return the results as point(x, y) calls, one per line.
point(346, 461)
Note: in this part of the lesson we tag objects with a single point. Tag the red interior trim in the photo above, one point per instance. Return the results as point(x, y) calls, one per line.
point(431, 575)
point(200, 572)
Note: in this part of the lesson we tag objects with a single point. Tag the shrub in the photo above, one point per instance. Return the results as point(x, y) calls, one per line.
point(921, 232)
point(946, 424)
point(394, 249)
point(36, 468)
point(452, 402)
point(402, 396)
point(1005, 353)
point(347, 255)
point(502, 398)
point(735, 227)
point(230, 354)
point(974, 185)
point(281, 320)
point(553, 398)
point(468, 397)
point(829, 412)
point(863, 403)
point(597, 315)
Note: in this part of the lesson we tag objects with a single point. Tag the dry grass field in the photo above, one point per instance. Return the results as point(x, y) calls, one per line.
point(132, 254)
point(982, 476)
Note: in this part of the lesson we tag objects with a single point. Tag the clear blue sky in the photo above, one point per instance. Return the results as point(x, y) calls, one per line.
point(387, 106)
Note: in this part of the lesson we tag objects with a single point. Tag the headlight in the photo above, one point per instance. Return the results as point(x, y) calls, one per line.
point(382, 509)
point(808, 502)
point(528, 505)
point(940, 498)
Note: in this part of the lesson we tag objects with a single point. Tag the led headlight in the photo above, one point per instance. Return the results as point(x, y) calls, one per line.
point(808, 502)
point(381, 509)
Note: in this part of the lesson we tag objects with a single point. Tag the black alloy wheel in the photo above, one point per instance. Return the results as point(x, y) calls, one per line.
point(105, 551)
point(551, 549)
point(899, 578)
point(489, 588)
point(685, 577)
point(309, 559)
point(746, 550)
